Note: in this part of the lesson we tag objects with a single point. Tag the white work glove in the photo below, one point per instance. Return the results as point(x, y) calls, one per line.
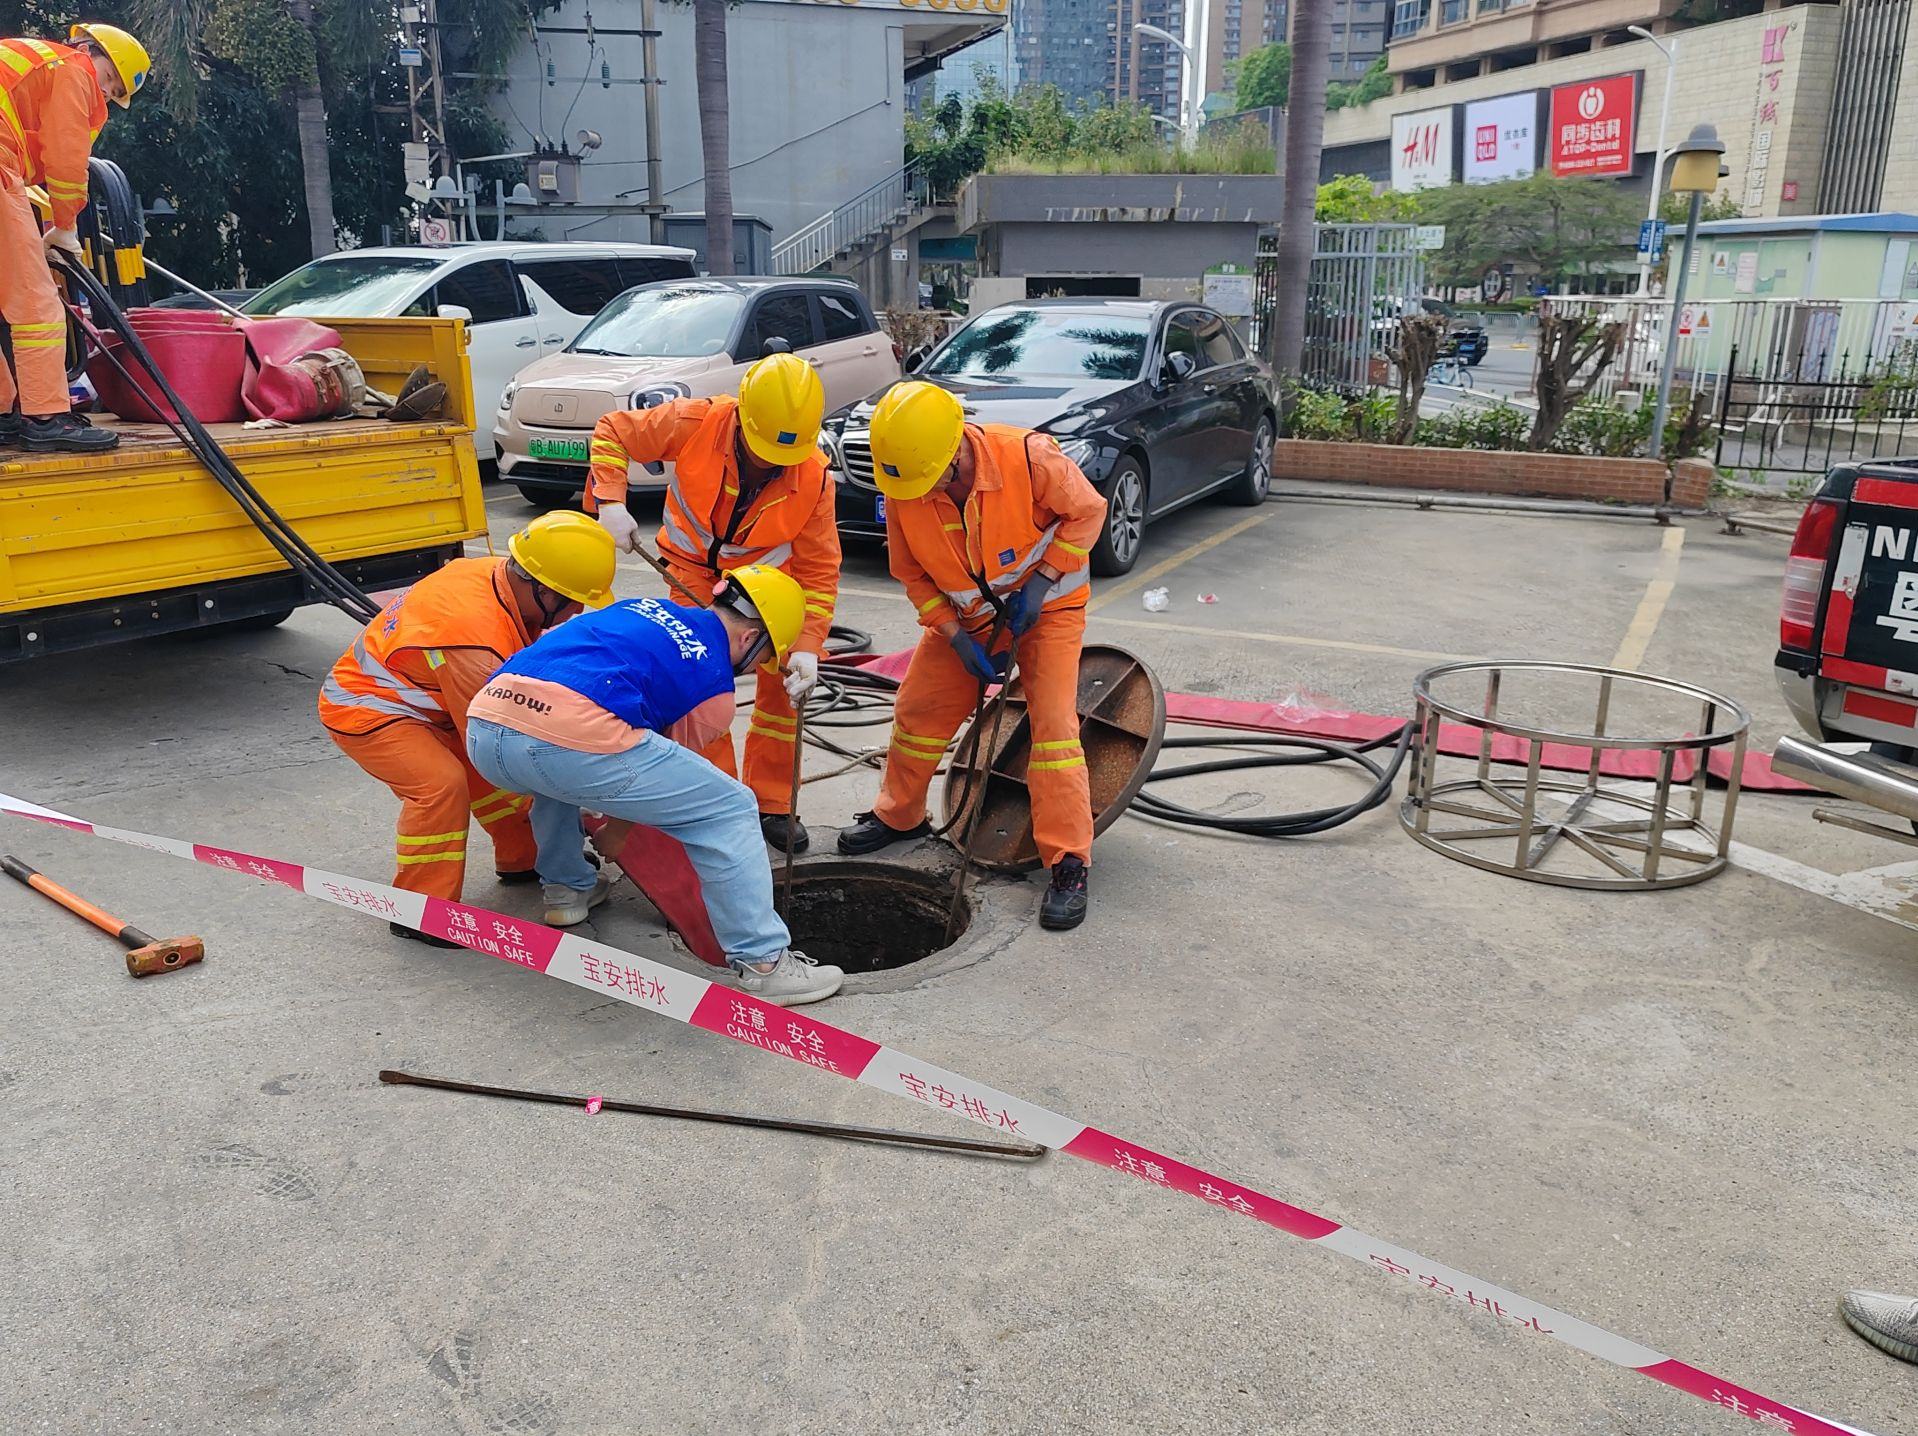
point(802, 672)
point(62, 239)
point(621, 525)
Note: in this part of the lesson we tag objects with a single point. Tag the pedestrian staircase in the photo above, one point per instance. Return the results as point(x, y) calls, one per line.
point(848, 234)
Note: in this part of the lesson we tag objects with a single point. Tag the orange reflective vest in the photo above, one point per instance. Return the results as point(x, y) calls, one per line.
point(1029, 504)
point(464, 605)
point(790, 524)
point(51, 112)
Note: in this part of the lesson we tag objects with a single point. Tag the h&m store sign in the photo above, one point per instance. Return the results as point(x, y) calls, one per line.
point(1586, 128)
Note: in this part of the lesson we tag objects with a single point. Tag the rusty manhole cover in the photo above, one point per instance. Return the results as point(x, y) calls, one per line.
point(1121, 722)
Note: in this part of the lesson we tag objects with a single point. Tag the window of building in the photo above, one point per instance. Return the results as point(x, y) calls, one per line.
point(1409, 17)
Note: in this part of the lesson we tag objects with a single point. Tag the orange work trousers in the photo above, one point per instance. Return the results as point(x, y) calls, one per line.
point(438, 788)
point(938, 695)
point(770, 734)
point(36, 324)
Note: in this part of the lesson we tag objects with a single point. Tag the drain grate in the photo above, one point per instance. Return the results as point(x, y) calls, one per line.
point(871, 917)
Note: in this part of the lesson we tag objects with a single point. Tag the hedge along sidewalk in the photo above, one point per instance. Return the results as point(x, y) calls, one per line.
point(1493, 471)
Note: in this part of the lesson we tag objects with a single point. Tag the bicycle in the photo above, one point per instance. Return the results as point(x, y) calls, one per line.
point(1450, 369)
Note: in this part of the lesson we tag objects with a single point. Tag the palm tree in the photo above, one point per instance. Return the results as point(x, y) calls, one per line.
point(309, 116)
point(1304, 137)
point(715, 130)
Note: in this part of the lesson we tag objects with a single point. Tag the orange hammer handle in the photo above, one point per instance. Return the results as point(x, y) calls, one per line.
point(73, 902)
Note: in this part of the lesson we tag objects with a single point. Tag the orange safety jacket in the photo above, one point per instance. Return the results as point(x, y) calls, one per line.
point(1029, 505)
point(51, 112)
point(392, 673)
point(791, 523)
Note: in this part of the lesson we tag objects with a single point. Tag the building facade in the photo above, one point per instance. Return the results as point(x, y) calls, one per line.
point(1500, 93)
point(818, 103)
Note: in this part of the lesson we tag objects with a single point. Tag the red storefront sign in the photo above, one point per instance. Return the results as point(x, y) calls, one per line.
point(1593, 126)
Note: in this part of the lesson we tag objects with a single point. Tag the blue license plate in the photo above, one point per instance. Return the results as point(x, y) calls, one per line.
point(879, 508)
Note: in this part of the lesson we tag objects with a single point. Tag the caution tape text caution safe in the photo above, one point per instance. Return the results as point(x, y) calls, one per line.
point(801, 1037)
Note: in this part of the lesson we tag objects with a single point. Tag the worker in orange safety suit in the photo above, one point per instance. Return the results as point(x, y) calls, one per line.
point(989, 528)
point(749, 486)
point(396, 701)
point(52, 108)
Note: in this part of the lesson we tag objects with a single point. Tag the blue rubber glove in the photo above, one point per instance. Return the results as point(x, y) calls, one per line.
point(1024, 602)
point(979, 663)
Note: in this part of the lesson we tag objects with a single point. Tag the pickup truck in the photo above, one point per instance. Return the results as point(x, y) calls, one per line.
point(100, 548)
point(1848, 640)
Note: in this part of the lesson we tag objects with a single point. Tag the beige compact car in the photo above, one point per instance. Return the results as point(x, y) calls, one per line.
point(673, 339)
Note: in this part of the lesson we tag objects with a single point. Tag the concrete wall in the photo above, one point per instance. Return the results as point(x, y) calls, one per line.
point(1722, 79)
point(1167, 249)
point(1901, 162)
point(818, 110)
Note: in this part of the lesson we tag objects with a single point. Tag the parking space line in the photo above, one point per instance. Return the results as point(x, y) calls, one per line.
point(1294, 639)
point(1638, 636)
point(1101, 597)
point(1860, 891)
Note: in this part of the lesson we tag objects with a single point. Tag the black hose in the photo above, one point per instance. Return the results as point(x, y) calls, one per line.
point(858, 698)
point(1277, 825)
point(321, 577)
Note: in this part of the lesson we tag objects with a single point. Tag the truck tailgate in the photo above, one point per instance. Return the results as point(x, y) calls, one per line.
point(1870, 635)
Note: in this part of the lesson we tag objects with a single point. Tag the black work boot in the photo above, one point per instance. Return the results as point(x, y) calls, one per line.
point(784, 832)
point(517, 877)
point(67, 433)
point(869, 835)
point(10, 429)
point(1064, 904)
point(415, 935)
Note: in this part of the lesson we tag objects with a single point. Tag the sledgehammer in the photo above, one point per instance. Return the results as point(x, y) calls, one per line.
point(145, 955)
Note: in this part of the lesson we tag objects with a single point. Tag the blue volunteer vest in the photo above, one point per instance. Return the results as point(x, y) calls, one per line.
point(647, 663)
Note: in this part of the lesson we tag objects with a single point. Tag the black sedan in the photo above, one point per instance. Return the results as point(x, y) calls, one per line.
point(1159, 404)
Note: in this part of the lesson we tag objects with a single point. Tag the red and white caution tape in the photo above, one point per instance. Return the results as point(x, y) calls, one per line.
point(798, 1035)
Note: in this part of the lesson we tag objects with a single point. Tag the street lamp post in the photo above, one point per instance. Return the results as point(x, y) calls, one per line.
point(1189, 72)
point(1670, 52)
point(1695, 170)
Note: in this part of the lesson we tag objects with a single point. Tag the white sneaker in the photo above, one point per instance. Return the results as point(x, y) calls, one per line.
point(794, 981)
point(567, 907)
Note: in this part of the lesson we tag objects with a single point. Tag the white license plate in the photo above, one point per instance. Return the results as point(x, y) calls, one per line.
point(879, 508)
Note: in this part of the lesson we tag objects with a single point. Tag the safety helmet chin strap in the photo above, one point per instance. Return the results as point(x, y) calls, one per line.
point(734, 597)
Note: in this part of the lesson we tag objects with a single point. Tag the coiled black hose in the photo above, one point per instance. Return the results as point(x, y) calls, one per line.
point(849, 697)
point(321, 577)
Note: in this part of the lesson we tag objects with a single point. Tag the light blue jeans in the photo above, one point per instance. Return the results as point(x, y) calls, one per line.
point(660, 784)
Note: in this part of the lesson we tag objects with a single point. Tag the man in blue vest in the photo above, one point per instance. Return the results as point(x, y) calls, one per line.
point(609, 711)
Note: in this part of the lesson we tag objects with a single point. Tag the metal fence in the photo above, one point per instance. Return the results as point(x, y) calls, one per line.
point(1796, 384)
point(860, 218)
point(1364, 276)
point(1791, 414)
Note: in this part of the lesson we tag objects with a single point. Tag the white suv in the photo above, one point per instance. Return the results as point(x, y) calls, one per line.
point(519, 300)
point(679, 338)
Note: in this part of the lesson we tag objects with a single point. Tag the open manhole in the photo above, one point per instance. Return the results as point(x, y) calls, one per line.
point(870, 917)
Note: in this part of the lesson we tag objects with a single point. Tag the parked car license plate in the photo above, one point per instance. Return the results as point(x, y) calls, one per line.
point(879, 508)
point(573, 450)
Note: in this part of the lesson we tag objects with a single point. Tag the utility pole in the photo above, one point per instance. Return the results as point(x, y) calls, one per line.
point(425, 85)
point(649, 65)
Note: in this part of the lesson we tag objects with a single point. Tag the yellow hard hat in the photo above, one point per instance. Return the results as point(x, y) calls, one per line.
point(916, 428)
point(775, 598)
point(129, 56)
point(781, 402)
point(569, 554)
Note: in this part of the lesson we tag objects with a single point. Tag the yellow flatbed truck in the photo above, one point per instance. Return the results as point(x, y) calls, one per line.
point(100, 548)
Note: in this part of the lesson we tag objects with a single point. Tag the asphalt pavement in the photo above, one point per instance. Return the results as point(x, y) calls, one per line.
point(1681, 1116)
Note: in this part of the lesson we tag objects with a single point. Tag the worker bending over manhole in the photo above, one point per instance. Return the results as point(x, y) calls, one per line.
point(611, 712)
point(989, 528)
point(749, 486)
point(396, 700)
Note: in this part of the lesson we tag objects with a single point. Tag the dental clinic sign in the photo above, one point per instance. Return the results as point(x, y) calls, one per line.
point(1593, 126)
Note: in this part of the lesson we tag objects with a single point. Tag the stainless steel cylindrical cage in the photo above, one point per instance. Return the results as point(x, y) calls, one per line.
point(1601, 825)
